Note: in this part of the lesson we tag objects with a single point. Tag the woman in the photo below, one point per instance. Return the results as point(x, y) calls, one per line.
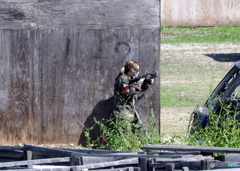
point(125, 93)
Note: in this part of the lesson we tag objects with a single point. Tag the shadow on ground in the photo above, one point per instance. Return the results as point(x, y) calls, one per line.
point(224, 57)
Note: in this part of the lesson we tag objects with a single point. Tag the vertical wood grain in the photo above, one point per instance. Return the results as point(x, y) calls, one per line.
point(200, 12)
point(56, 77)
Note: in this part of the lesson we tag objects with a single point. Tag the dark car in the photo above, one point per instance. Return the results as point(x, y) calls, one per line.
point(227, 93)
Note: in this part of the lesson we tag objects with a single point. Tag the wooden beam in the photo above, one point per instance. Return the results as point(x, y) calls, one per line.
point(99, 14)
point(18, 14)
point(13, 148)
point(75, 160)
point(49, 150)
point(34, 162)
point(125, 162)
point(117, 169)
point(62, 152)
point(107, 164)
point(11, 154)
point(174, 153)
point(69, 169)
point(97, 151)
point(170, 167)
point(191, 148)
point(143, 163)
point(33, 14)
point(28, 156)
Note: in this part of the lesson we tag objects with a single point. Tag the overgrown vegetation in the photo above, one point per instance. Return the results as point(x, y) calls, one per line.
point(222, 129)
point(118, 134)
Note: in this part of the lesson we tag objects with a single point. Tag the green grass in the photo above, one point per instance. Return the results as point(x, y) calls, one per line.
point(188, 82)
point(186, 86)
point(183, 95)
point(200, 34)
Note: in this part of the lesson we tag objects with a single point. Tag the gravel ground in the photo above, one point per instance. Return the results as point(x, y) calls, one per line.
point(175, 120)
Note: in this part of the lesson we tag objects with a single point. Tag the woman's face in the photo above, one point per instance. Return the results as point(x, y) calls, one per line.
point(134, 71)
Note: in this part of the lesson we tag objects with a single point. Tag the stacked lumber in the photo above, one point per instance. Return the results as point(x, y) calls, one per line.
point(151, 158)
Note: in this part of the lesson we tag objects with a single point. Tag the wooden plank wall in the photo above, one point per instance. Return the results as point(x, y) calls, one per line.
point(200, 12)
point(58, 61)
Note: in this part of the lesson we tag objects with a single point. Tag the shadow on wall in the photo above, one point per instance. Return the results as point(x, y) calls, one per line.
point(224, 57)
point(103, 109)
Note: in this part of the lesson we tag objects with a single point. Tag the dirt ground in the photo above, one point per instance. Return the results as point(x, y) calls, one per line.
point(175, 120)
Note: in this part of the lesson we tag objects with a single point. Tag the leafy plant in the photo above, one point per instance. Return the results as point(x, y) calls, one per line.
point(222, 130)
point(90, 143)
point(119, 134)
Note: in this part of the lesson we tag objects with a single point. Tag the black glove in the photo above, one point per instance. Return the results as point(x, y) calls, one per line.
point(145, 85)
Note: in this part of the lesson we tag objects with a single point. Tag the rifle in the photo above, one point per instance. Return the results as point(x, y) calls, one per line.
point(146, 76)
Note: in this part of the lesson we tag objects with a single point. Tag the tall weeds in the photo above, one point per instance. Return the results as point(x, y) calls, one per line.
point(118, 134)
point(222, 129)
